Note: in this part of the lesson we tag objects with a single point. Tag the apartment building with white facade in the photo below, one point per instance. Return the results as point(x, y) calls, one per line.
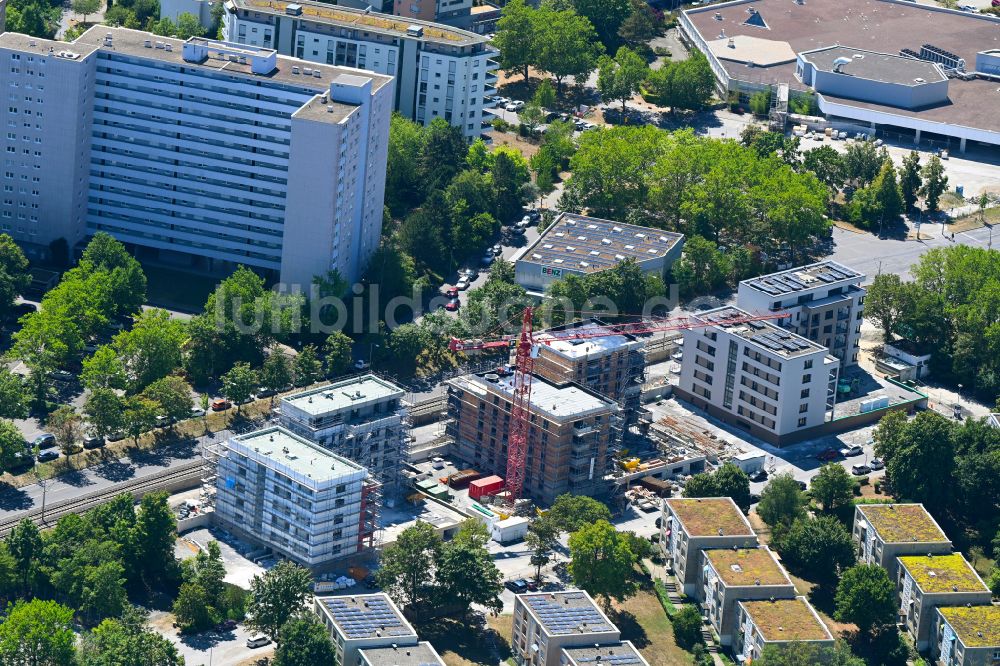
point(440, 71)
point(363, 622)
point(825, 301)
point(692, 525)
point(884, 532)
point(547, 622)
point(197, 152)
point(758, 376)
point(362, 418)
point(294, 497)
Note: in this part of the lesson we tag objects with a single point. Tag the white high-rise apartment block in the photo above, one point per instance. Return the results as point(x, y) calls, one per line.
point(758, 376)
point(298, 499)
point(825, 300)
point(441, 72)
point(202, 152)
point(362, 418)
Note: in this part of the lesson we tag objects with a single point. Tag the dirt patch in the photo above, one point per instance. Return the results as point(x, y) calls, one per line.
point(462, 644)
point(527, 148)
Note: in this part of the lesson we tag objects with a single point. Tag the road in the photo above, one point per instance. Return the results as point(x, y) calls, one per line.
point(76, 484)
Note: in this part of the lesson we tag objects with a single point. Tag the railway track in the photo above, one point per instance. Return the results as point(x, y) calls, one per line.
point(170, 478)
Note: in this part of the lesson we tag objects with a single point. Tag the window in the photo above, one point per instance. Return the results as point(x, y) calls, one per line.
point(803, 408)
point(805, 394)
point(806, 378)
point(802, 422)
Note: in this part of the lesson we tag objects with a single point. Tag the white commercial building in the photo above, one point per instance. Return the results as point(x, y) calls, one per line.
point(825, 301)
point(757, 376)
point(293, 497)
point(201, 152)
point(363, 419)
point(441, 72)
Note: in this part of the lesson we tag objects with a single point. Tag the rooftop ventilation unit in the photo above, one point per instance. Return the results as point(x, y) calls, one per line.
point(415, 31)
point(293, 10)
point(838, 64)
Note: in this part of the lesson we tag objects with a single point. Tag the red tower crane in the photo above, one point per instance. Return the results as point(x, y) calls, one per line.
point(526, 342)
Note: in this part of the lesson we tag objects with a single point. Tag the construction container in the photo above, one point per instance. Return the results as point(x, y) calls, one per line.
point(509, 530)
point(463, 478)
point(659, 486)
point(488, 485)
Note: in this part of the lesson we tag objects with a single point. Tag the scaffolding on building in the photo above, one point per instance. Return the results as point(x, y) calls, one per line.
point(370, 526)
point(211, 453)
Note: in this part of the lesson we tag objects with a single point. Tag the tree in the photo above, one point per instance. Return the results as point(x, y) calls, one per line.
point(37, 632)
point(542, 537)
point(639, 26)
point(239, 383)
point(151, 349)
point(337, 350)
point(155, 533)
point(601, 562)
point(606, 16)
point(14, 275)
point(531, 116)
point(105, 254)
point(517, 36)
point(828, 165)
point(104, 591)
point(620, 78)
point(866, 597)
point(909, 179)
point(86, 7)
point(935, 182)
point(781, 502)
point(138, 416)
point(442, 155)
point(189, 25)
point(25, 546)
point(760, 102)
point(801, 653)
point(925, 455)
point(192, 608)
point(818, 548)
point(103, 370)
point(686, 84)
point(402, 185)
point(304, 642)
point(14, 396)
point(424, 231)
point(308, 367)
point(276, 597)
point(885, 304)
point(701, 269)
point(173, 395)
point(569, 513)
point(727, 481)
point(464, 570)
point(276, 373)
point(545, 95)
point(127, 641)
point(405, 571)
point(833, 487)
point(207, 570)
point(567, 45)
point(862, 161)
point(11, 443)
point(687, 625)
point(66, 425)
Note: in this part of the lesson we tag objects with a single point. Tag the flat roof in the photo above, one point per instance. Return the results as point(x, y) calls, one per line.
point(560, 402)
point(563, 343)
point(787, 620)
point(804, 278)
point(903, 523)
point(590, 244)
point(367, 616)
point(346, 394)
point(298, 455)
point(707, 516)
point(421, 654)
point(568, 612)
point(887, 26)
point(762, 334)
point(943, 573)
point(747, 48)
point(746, 567)
point(875, 66)
point(287, 70)
point(975, 626)
point(615, 654)
point(358, 19)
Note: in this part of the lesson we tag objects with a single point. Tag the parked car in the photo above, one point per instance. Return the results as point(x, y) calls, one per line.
point(452, 305)
point(46, 456)
point(523, 223)
point(828, 455)
point(61, 376)
point(515, 105)
point(533, 214)
point(258, 641)
point(197, 411)
point(220, 405)
point(487, 259)
point(851, 451)
point(93, 442)
point(227, 625)
point(759, 475)
point(116, 436)
point(497, 250)
point(266, 392)
point(361, 364)
point(876, 464)
point(451, 292)
point(519, 586)
point(860, 470)
point(44, 441)
point(463, 283)
point(162, 421)
point(532, 585)
point(803, 486)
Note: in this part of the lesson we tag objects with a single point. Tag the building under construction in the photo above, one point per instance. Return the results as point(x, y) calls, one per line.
point(572, 432)
point(293, 497)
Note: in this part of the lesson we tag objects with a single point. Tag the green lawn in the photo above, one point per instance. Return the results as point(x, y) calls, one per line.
point(641, 620)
